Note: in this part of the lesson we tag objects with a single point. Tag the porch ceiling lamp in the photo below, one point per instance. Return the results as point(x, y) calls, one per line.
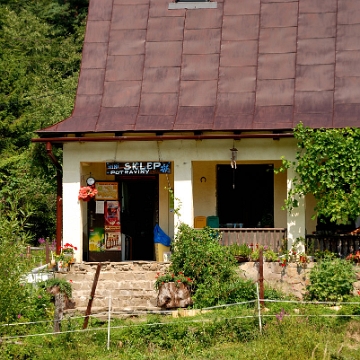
point(233, 157)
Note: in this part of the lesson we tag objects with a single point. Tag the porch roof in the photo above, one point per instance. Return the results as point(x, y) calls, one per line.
point(246, 65)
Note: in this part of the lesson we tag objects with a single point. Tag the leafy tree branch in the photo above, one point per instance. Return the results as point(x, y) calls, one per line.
point(328, 166)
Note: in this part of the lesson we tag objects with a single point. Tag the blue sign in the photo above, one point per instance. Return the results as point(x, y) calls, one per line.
point(138, 168)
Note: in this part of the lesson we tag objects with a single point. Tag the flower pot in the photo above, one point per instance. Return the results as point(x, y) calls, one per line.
point(60, 267)
point(173, 295)
point(241, 258)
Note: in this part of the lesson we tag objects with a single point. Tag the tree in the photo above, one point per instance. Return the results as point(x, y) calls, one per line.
point(40, 53)
point(327, 166)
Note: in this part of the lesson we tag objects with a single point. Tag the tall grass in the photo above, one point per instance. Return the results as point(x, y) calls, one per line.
point(294, 331)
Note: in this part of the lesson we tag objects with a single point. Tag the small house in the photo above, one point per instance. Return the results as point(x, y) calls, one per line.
point(183, 110)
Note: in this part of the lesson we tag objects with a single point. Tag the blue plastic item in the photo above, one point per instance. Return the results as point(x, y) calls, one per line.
point(160, 236)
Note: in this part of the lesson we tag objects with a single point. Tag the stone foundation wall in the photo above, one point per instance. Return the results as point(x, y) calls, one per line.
point(291, 279)
point(131, 284)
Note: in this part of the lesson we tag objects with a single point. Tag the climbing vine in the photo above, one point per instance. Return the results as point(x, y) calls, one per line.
point(328, 166)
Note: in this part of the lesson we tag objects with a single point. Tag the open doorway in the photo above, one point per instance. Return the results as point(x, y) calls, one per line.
point(245, 195)
point(139, 213)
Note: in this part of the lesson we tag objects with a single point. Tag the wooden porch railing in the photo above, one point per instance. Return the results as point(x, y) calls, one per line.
point(340, 244)
point(274, 238)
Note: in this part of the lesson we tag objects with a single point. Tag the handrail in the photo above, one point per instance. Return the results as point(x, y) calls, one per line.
point(274, 238)
point(340, 244)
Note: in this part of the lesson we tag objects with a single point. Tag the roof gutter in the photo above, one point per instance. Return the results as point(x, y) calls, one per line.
point(274, 136)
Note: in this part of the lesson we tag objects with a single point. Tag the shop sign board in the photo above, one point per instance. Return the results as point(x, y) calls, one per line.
point(138, 168)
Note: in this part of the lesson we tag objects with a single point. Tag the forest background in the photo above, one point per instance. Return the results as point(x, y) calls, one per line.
point(40, 53)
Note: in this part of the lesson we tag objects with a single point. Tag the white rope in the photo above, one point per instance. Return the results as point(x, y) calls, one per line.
point(172, 323)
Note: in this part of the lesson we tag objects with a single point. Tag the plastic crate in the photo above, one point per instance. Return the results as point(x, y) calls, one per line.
point(199, 222)
point(213, 222)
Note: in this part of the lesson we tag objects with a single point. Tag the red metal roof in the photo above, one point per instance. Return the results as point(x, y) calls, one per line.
point(246, 65)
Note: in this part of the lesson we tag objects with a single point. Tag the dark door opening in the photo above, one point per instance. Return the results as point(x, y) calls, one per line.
point(139, 213)
point(245, 195)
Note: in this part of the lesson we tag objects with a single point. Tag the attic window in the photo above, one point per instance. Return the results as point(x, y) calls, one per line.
point(187, 4)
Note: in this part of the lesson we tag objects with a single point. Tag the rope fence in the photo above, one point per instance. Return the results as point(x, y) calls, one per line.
point(258, 313)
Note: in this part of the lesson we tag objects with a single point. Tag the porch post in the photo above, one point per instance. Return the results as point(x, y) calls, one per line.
point(183, 192)
point(72, 217)
point(296, 217)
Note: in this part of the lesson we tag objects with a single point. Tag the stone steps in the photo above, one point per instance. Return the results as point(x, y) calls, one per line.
point(129, 284)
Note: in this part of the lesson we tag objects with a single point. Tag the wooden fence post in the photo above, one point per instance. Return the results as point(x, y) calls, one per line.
point(88, 309)
point(47, 252)
point(261, 276)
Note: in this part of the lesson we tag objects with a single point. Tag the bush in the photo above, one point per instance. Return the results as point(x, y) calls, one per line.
point(331, 280)
point(198, 254)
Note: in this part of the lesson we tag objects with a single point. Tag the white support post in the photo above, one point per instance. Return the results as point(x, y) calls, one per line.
point(183, 192)
point(72, 224)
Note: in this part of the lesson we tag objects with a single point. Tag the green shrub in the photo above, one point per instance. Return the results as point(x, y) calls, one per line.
point(331, 280)
point(198, 254)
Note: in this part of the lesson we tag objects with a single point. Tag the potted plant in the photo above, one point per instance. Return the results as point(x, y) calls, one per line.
point(240, 252)
point(86, 193)
point(355, 258)
point(254, 255)
point(302, 259)
point(174, 290)
point(66, 257)
point(270, 255)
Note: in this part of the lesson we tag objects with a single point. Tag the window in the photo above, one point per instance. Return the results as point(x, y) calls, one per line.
point(192, 4)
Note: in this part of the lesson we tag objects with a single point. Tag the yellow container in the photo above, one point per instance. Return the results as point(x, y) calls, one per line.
point(160, 249)
point(199, 222)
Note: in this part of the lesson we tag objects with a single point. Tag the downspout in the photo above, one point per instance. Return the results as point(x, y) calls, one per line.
point(58, 196)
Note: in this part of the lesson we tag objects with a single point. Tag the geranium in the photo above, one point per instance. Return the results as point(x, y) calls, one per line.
point(354, 257)
point(86, 193)
point(283, 262)
point(66, 256)
point(68, 248)
point(171, 277)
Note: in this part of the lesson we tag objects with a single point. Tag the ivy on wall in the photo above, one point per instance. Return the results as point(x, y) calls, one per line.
point(328, 166)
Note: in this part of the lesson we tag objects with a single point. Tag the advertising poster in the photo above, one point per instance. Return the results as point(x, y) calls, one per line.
point(112, 216)
point(97, 239)
point(112, 241)
point(112, 226)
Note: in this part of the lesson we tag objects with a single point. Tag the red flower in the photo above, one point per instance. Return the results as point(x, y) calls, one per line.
point(178, 280)
point(87, 192)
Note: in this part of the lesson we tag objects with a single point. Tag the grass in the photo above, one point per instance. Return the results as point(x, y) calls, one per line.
point(300, 332)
